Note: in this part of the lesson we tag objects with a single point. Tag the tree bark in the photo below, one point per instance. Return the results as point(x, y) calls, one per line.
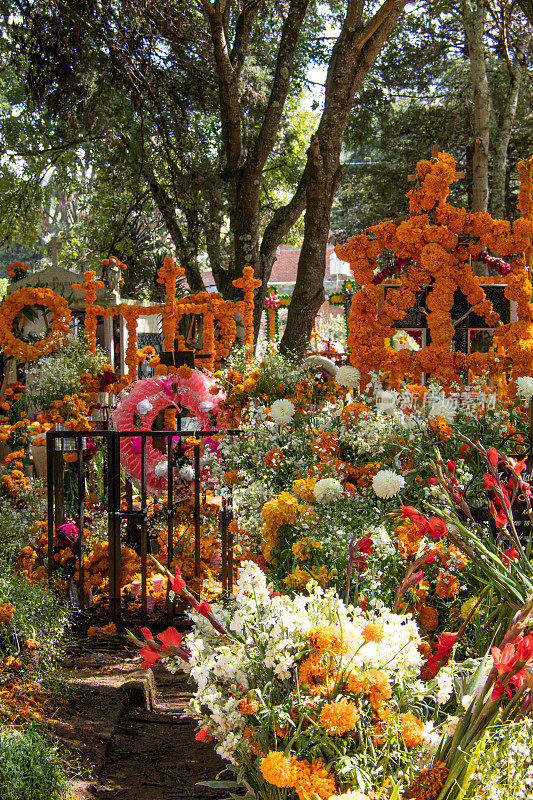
point(507, 117)
point(353, 54)
point(186, 248)
point(474, 27)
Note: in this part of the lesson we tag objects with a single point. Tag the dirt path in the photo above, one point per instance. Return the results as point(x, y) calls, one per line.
point(133, 743)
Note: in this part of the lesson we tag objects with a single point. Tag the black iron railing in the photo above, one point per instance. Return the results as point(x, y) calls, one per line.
point(60, 441)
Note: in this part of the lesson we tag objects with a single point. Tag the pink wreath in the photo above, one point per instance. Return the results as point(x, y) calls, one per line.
point(141, 402)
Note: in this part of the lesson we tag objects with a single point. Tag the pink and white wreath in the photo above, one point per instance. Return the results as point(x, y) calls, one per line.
point(138, 407)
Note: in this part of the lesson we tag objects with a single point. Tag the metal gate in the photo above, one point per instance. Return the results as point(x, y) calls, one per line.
point(117, 490)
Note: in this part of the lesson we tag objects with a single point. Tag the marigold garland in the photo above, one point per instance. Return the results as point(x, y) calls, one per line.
point(436, 245)
point(33, 296)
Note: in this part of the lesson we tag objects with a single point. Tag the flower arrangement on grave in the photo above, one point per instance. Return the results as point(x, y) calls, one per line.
point(189, 390)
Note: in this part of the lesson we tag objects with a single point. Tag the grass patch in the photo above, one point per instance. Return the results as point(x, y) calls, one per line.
point(30, 768)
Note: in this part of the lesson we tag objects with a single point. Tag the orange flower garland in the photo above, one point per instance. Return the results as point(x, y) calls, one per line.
point(438, 247)
point(33, 296)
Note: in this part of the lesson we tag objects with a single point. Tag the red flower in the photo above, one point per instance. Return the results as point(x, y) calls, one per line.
point(203, 608)
point(506, 556)
point(516, 466)
point(170, 638)
point(177, 582)
point(504, 660)
point(275, 594)
point(150, 656)
point(500, 519)
point(435, 527)
point(451, 467)
point(489, 481)
point(492, 455)
point(201, 735)
point(360, 564)
point(365, 545)
point(445, 645)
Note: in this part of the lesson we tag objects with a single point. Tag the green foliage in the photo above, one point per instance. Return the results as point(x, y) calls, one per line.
point(39, 614)
point(30, 768)
point(58, 375)
point(17, 518)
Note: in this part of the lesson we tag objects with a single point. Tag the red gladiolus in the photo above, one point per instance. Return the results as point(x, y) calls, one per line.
point(177, 582)
point(365, 545)
point(489, 481)
point(435, 527)
point(275, 594)
point(492, 455)
point(147, 633)
point(360, 564)
point(204, 609)
point(500, 519)
point(149, 656)
point(451, 467)
point(445, 645)
point(170, 638)
point(516, 466)
point(201, 735)
point(506, 556)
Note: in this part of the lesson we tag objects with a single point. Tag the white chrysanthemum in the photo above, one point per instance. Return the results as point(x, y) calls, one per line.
point(348, 376)
point(282, 411)
point(186, 473)
point(205, 407)
point(143, 407)
point(387, 483)
point(327, 490)
point(161, 469)
point(524, 387)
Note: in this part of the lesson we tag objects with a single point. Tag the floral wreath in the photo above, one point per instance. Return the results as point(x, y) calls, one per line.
point(140, 403)
point(31, 296)
point(434, 248)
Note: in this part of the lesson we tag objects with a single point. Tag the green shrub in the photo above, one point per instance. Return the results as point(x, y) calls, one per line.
point(30, 768)
point(17, 519)
point(39, 614)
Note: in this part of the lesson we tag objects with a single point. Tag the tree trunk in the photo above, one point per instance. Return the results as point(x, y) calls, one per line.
point(474, 27)
point(507, 117)
point(353, 54)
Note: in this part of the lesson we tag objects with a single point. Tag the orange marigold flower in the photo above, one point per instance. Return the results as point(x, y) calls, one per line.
point(314, 779)
point(428, 617)
point(447, 585)
point(339, 717)
point(7, 611)
point(278, 770)
point(32, 644)
point(326, 637)
point(372, 633)
point(429, 782)
point(411, 728)
point(248, 705)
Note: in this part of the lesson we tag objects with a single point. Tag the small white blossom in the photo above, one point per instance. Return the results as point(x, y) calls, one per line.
point(524, 387)
point(161, 469)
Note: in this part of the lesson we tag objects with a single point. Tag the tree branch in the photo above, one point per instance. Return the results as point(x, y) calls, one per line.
point(230, 108)
point(283, 219)
point(280, 86)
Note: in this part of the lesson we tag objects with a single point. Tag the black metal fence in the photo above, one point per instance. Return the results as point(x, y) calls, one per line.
point(60, 441)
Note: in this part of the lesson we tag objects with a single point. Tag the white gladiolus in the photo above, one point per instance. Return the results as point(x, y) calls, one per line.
point(144, 407)
point(327, 490)
point(387, 483)
point(282, 411)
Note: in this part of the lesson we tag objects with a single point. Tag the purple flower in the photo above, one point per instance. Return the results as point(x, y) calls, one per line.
point(136, 445)
point(69, 532)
